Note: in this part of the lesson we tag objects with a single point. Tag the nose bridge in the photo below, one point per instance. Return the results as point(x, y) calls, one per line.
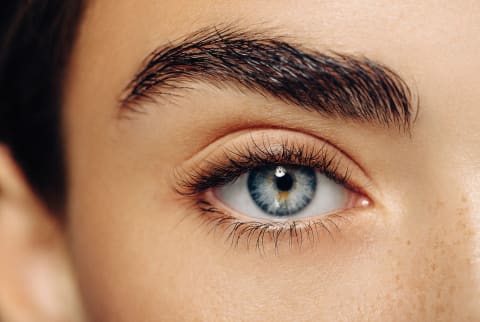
point(468, 214)
point(448, 203)
point(464, 172)
point(452, 250)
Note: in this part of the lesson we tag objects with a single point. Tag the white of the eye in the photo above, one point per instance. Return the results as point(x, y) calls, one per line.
point(329, 196)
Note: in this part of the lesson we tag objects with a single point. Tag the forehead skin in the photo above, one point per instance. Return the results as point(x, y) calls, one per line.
point(414, 257)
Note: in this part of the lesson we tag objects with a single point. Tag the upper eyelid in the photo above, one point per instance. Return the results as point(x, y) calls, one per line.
point(285, 132)
point(362, 181)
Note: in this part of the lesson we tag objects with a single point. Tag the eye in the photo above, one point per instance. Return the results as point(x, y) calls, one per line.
point(284, 192)
point(267, 186)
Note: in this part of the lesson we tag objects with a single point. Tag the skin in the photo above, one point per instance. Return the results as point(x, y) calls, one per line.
point(138, 250)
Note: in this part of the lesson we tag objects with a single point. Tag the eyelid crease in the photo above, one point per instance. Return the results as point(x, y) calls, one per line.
point(251, 130)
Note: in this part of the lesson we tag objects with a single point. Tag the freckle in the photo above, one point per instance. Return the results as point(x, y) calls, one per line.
point(440, 309)
point(451, 290)
point(421, 302)
point(408, 242)
point(440, 204)
point(409, 316)
point(462, 211)
point(433, 267)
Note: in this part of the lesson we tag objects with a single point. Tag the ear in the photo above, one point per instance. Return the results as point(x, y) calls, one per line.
point(36, 280)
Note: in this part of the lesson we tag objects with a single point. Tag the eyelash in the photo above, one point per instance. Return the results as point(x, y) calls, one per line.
point(237, 161)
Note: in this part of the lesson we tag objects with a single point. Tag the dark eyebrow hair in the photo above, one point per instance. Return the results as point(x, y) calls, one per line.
point(333, 84)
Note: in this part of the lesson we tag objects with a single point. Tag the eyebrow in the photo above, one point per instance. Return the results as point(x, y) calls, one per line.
point(333, 84)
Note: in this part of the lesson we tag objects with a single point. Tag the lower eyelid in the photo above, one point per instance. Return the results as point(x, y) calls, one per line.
point(275, 238)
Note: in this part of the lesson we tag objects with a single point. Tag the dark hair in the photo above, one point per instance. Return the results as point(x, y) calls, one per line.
point(36, 38)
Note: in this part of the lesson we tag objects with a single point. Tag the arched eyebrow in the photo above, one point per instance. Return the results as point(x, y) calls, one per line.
point(333, 84)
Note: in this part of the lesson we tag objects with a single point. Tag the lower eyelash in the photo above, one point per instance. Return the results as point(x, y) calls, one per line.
point(255, 233)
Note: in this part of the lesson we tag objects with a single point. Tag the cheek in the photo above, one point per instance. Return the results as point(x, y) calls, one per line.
point(141, 255)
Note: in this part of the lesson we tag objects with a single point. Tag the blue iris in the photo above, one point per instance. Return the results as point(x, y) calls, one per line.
point(282, 190)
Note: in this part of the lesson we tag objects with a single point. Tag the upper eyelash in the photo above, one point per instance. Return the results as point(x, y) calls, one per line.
point(240, 160)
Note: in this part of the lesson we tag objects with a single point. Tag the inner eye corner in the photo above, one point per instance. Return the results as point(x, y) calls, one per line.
point(368, 194)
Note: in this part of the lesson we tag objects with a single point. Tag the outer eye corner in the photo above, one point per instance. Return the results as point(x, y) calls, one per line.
point(365, 202)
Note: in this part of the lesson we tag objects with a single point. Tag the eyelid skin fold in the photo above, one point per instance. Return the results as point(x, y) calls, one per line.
point(281, 146)
point(223, 161)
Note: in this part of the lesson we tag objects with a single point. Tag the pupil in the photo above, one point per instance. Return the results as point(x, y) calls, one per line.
point(284, 183)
